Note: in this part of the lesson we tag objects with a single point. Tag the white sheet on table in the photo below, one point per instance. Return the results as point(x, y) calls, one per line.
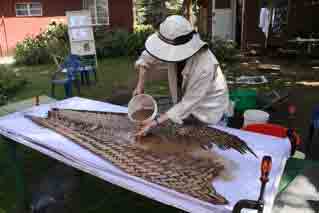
point(246, 184)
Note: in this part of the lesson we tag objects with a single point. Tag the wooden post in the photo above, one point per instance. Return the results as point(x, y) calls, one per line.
point(288, 19)
point(0, 49)
point(5, 34)
point(37, 100)
point(187, 9)
point(134, 13)
point(210, 19)
point(1, 52)
point(243, 26)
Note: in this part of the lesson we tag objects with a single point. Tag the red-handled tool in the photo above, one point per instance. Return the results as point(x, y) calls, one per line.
point(264, 178)
point(265, 168)
point(291, 132)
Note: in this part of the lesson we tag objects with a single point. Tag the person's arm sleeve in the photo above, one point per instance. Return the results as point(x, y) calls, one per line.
point(145, 61)
point(195, 92)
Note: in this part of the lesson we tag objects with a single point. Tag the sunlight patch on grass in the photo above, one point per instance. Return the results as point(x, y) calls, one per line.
point(308, 83)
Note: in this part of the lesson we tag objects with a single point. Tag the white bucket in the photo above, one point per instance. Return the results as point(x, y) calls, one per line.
point(255, 117)
point(231, 108)
point(142, 102)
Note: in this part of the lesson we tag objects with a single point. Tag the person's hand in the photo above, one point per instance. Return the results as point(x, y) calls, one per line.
point(138, 90)
point(141, 79)
point(145, 128)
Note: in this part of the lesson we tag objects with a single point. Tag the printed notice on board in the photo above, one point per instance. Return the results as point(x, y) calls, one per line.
point(80, 34)
point(79, 20)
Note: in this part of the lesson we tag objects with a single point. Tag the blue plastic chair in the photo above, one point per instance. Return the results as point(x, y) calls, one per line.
point(88, 66)
point(314, 126)
point(72, 66)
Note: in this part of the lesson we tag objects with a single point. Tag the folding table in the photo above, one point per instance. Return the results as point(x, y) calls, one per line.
point(244, 185)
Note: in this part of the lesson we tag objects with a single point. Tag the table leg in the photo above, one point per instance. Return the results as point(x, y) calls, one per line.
point(16, 166)
point(309, 49)
point(309, 141)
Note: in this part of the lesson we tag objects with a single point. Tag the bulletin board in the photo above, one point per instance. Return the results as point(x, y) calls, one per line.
point(80, 30)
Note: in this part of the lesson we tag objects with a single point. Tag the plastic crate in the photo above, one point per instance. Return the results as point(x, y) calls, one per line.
point(244, 99)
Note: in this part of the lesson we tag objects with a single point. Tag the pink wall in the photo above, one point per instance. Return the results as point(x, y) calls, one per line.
point(17, 28)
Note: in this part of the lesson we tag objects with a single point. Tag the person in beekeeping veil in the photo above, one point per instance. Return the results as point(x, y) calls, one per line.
point(197, 85)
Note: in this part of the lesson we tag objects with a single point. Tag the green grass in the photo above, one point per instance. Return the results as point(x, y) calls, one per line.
point(111, 73)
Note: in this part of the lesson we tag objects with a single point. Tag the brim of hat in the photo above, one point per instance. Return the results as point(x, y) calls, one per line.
point(171, 53)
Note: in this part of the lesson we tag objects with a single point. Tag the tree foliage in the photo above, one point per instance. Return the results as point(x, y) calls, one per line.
point(153, 12)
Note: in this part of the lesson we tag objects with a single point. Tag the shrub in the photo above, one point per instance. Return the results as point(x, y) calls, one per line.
point(226, 51)
point(122, 43)
point(31, 51)
point(38, 50)
point(136, 41)
point(112, 43)
point(55, 41)
point(10, 83)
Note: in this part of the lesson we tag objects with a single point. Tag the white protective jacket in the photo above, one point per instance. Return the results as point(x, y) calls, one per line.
point(204, 89)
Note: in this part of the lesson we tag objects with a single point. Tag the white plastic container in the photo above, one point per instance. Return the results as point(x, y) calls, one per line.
point(255, 117)
point(142, 102)
point(231, 108)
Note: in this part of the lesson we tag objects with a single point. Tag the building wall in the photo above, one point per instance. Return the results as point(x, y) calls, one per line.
point(302, 20)
point(251, 32)
point(304, 15)
point(50, 7)
point(17, 28)
point(121, 14)
point(225, 13)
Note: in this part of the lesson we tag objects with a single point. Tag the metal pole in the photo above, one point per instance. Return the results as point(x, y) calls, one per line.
point(95, 7)
point(234, 9)
point(5, 34)
point(270, 27)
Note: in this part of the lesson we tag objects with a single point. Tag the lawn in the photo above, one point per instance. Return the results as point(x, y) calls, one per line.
point(112, 73)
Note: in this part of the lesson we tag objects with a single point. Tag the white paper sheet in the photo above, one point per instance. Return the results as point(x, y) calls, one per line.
point(245, 185)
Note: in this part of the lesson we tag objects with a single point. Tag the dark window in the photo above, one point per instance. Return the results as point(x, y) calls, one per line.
point(99, 11)
point(222, 4)
point(29, 9)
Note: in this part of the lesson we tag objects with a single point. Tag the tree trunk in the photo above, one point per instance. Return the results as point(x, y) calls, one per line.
point(187, 9)
point(210, 20)
point(134, 13)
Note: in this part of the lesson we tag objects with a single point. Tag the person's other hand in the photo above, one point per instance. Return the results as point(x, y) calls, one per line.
point(145, 128)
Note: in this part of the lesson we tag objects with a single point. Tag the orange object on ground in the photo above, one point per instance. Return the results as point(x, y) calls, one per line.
point(272, 130)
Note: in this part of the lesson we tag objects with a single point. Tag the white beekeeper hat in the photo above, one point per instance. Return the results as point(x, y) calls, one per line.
point(175, 41)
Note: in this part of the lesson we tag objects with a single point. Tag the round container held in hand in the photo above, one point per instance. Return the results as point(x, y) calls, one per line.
point(142, 108)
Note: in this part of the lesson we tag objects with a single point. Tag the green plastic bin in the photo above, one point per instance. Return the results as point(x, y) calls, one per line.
point(244, 99)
